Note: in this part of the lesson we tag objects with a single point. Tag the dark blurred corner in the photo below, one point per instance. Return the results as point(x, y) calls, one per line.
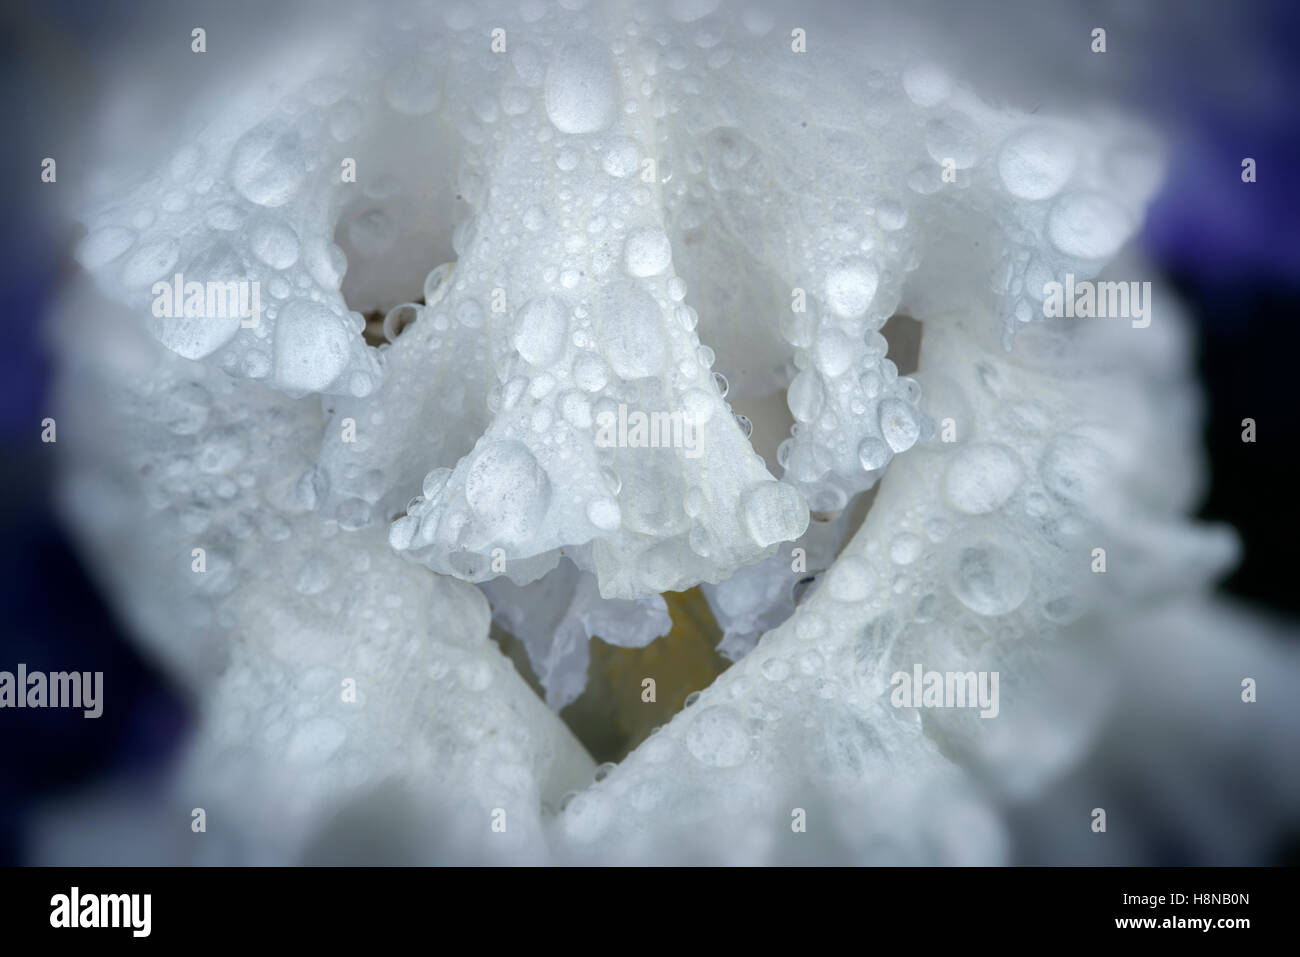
point(53, 617)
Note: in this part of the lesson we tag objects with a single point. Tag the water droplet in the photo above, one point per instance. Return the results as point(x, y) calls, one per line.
point(926, 85)
point(716, 738)
point(104, 245)
point(1035, 163)
point(352, 514)
point(805, 396)
point(1087, 225)
point(1074, 469)
point(581, 89)
point(621, 157)
point(647, 252)
point(542, 326)
point(990, 579)
point(898, 424)
point(266, 166)
point(850, 288)
point(275, 244)
point(773, 512)
point(905, 548)
point(630, 330)
point(981, 478)
point(311, 346)
point(398, 318)
point(604, 513)
point(590, 374)
point(508, 491)
point(833, 353)
point(891, 215)
point(470, 314)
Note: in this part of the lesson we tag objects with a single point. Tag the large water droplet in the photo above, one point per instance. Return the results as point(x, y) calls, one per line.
point(647, 252)
point(275, 244)
point(873, 453)
point(981, 478)
point(266, 166)
point(773, 512)
point(926, 84)
point(311, 346)
point(805, 396)
point(581, 89)
point(630, 327)
point(1074, 469)
point(989, 579)
point(1087, 225)
point(508, 491)
point(542, 326)
point(850, 288)
point(898, 424)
